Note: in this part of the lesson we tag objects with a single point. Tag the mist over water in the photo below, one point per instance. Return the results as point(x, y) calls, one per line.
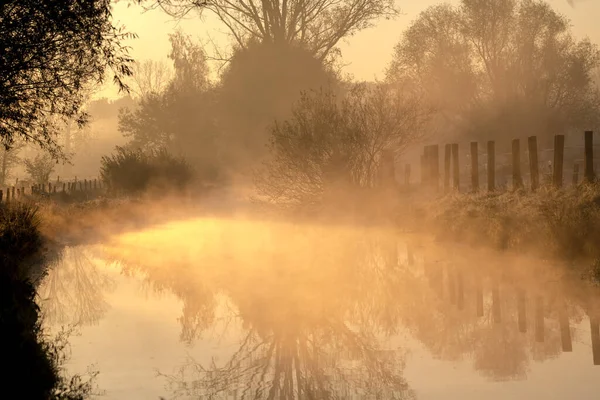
point(243, 308)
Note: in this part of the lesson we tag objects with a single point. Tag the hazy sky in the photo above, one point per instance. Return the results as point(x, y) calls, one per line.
point(366, 54)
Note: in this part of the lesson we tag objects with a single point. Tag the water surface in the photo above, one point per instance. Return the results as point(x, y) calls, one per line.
point(231, 309)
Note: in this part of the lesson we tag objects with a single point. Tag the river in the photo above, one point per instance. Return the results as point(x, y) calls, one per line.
point(240, 308)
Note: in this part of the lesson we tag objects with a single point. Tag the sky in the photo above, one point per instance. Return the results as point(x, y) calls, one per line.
point(365, 56)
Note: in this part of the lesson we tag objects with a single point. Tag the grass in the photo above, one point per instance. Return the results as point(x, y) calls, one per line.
point(558, 224)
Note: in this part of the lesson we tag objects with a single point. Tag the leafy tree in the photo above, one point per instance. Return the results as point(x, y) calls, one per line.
point(40, 168)
point(329, 144)
point(178, 118)
point(315, 25)
point(260, 85)
point(498, 67)
point(9, 158)
point(51, 50)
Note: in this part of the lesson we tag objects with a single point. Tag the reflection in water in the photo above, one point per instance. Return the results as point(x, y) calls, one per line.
point(74, 292)
point(321, 312)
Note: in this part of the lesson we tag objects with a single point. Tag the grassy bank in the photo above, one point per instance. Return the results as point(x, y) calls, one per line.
point(550, 223)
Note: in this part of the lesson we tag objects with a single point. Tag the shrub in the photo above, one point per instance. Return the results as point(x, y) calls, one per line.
point(136, 171)
point(40, 168)
point(330, 144)
point(556, 223)
point(20, 238)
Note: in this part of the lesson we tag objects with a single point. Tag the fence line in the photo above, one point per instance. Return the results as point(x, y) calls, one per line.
point(430, 174)
point(50, 189)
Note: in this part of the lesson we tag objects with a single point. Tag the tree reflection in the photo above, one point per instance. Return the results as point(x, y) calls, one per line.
point(313, 306)
point(73, 292)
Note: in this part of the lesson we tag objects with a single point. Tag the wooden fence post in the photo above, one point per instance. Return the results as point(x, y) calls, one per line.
point(589, 156)
point(423, 168)
point(522, 310)
point(516, 165)
point(595, 331)
point(491, 165)
point(1, 195)
point(474, 167)
point(534, 170)
point(565, 330)
point(447, 162)
point(539, 319)
point(496, 310)
point(559, 150)
point(479, 295)
point(406, 175)
point(575, 174)
point(456, 167)
point(434, 160)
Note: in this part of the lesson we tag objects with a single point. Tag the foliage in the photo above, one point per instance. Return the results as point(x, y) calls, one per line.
point(20, 239)
point(135, 171)
point(314, 25)
point(51, 50)
point(178, 118)
point(330, 144)
point(556, 223)
point(9, 158)
point(40, 168)
point(260, 84)
point(497, 66)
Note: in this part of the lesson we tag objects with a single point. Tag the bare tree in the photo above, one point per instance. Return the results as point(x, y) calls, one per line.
point(317, 25)
point(150, 76)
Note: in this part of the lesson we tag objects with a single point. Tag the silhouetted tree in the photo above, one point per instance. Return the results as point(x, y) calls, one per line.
point(260, 85)
point(50, 51)
point(498, 67)
point(9, 158)
point(315, 25)
point(178, 118)
point(332, 144)
point(40, 167)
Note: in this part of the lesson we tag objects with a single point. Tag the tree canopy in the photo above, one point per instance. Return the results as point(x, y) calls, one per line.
point(315, 25)
point(51, 50)
point(500, 66)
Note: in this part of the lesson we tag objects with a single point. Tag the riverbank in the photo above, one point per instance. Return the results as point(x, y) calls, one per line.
point(549, 223)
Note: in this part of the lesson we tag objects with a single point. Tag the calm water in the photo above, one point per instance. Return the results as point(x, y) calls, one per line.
point(232, 309)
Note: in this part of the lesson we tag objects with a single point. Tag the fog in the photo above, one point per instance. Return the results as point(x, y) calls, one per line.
point(322, 199)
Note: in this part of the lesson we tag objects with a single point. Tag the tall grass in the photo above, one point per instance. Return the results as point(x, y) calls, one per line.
point(135, 171)
point(563, 224)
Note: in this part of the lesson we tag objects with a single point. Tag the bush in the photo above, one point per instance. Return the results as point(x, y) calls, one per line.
point(40, 168)
point(556, 223)
point(20, 237)
point(136, 171)
point(331, 145)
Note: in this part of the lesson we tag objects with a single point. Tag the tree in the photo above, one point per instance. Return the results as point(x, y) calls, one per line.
point(259, 86)
point(315, 25)
point(178, 118)
point(9, 158)
point(51, 50)
point(40, 168)
point(497, 67)
point(150, 76)
point(329, 144)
